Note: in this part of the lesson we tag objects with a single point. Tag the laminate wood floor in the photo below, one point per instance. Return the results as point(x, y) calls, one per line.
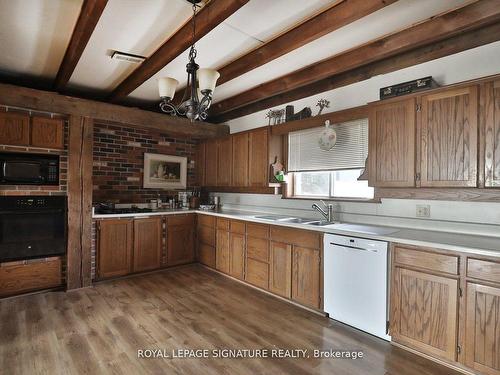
point(99, 330)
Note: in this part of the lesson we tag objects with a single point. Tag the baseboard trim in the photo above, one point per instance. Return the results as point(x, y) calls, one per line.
point(434, 359)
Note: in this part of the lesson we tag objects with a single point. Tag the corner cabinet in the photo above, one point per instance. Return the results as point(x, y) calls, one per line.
point(180, 239)
point(449, 125)
point(392, 144)
point(241, 161)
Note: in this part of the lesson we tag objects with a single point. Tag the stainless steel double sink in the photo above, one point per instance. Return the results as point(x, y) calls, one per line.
point(294, 220)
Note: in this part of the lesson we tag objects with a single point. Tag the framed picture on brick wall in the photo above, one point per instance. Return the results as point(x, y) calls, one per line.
point(164, 171)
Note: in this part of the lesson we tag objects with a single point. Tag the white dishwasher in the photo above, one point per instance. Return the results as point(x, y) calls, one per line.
point(356, 282)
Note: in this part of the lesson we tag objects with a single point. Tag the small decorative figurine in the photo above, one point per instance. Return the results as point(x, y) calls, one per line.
point(322, 104)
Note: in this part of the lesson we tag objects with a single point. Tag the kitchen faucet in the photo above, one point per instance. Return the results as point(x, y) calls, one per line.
point(328, 214)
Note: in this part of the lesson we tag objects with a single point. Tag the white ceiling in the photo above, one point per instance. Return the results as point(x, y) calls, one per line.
point(34, 35)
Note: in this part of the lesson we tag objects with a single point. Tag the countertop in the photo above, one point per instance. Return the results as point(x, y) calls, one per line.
point(479, 245)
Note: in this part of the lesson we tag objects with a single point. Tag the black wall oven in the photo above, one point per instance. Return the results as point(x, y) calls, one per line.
point(32, 227)
point(29, 169)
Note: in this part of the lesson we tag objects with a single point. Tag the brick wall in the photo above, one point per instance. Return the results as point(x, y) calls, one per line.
point(119, 159)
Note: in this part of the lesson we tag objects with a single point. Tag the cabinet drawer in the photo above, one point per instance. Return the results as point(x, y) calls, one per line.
point(206, 235)
point(207, 220)
point(20, 277)
point(258, 230)
point(257, 273)
point(483, 269)
point(258, 248)
point(237, 227)
point(223, 224)
point(424, 259)
point(180, 220)
point(297, 237)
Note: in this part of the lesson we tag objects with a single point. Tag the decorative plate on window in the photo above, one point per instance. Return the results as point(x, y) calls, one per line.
point(328, 137)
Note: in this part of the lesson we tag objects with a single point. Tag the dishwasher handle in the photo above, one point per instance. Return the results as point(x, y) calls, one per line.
point(354, 247)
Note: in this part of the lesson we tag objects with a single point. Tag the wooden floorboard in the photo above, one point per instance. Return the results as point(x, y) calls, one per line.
point(99, 331)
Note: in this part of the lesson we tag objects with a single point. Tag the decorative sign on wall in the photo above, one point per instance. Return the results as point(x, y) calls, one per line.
point(164, 171)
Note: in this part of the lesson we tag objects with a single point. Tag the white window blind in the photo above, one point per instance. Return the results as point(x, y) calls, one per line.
point(349, 152)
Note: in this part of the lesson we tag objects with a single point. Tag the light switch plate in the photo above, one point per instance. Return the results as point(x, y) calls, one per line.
point(423, 210)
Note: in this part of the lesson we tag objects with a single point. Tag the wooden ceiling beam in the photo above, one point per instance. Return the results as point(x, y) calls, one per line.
point(467, 18)
point(47, 101)
point(329, 20)
point(207, 19)
point(450, 46)
point(87, 20)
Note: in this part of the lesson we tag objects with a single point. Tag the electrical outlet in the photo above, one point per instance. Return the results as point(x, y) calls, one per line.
point(423, 210)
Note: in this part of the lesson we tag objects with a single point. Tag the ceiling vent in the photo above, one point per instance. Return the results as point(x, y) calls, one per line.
point(123, 56)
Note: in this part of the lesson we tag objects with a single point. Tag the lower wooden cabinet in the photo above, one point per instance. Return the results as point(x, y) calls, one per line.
point(180, 243)
point(482, 332)
point(114, 255)
point(257, 273)
point(206, 255)
point(306, 275)
point(147, 244)
point(206, 240)
point(280, 275)
point(222, 251)
point(425, 310)
point(237, 255)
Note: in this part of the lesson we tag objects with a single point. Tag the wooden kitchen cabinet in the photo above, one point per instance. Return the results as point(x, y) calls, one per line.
point(211, 163)
point(222, 251)
point(449, 127)
point(306, 265)
point(206, 253)
point(424, 300)
point(47, 132)
point(147, 244)
point(482, 348)
point(257, 255)
point(14, 129)
point(258, 157)
point(115, 246)
point(237, 255)
point(392, 144)
point(490, 119)
point(224, 161)
point(180, 240)
point(280, 275)
point(240, 159)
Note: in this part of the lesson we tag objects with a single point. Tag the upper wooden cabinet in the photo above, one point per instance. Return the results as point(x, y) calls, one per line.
point(449, 127)
point(211, 163)
point(224, 161)
point(490, 123)
point(392, 144)
point(258, 157)
point(47, 132)
point(14, 129)
point(240, 159)
point(147, 244)
point(114, 253)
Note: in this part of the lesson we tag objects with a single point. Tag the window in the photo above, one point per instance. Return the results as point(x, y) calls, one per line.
point(334, 173)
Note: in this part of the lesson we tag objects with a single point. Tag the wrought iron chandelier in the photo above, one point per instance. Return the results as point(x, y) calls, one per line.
point(199, 89)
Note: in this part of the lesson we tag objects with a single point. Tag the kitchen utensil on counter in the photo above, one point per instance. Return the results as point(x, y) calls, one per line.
point(216, 201)
point(207, 207)
point(194, 202)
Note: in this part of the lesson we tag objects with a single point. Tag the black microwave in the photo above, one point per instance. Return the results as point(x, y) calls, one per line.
point(29, 169)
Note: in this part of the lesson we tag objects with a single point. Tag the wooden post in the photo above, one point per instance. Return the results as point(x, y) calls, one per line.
point(79, 202)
